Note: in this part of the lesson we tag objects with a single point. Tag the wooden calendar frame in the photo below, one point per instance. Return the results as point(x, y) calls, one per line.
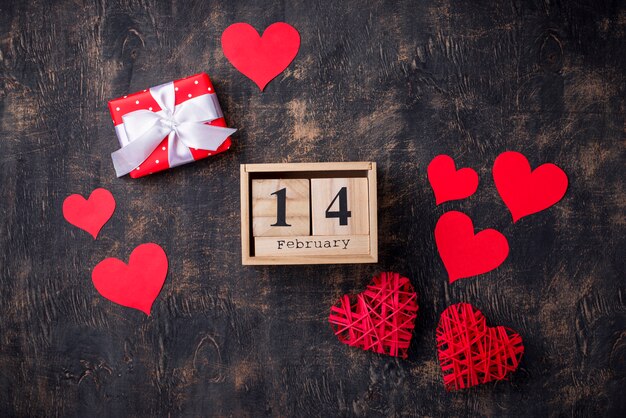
point(250, 172)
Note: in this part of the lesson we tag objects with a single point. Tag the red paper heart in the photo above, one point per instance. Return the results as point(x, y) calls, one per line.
point(447, 182)
point(89, 214)
point(260, 58)
point(136, 284)
point(381, 319)
point(524, 191)
point(465, 254)
point(470, 352)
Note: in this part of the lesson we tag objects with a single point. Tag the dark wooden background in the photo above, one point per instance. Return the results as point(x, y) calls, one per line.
point(391, 82)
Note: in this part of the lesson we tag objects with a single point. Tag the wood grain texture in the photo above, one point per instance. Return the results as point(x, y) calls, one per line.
point(297, 207)
point(309, 245)
point(392, 82)
point(325, 200)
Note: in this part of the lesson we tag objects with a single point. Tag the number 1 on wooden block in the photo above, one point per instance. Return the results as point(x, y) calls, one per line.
point(339, 206)
point(280, 207)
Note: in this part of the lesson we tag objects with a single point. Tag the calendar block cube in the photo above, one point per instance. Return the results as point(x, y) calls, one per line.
point(309, 213)
point(280, 207)
point(340, 206)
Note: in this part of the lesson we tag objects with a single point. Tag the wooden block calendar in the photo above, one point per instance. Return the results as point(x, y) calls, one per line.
point(309, 213)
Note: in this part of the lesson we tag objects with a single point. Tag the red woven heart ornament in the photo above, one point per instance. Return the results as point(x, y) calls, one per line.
point(380, 319)
point(470, 352)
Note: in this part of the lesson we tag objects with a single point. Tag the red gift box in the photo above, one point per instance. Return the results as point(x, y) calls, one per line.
point(175, 112)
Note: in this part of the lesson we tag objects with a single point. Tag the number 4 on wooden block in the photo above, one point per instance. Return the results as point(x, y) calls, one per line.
point(280, 207)
point(339, 206)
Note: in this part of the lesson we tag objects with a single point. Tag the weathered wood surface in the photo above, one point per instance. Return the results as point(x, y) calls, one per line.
point(391, 82)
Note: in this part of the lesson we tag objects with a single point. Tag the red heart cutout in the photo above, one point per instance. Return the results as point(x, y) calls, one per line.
point(524, 191)
point(447, 182)
point(136, 284)
point(470, 352)
point(381, 319)
point(260, 58)
point(89, 214)
point(465, 254)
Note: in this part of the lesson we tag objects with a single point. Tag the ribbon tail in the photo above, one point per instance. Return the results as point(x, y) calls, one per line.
point(201, 136)
point(129, 157)
point(177, 152)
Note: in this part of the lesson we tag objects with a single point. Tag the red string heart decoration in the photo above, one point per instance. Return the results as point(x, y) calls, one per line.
point(136, 284)
point(89, 214)
point(524, 191)
point(470, 352)
point(380, 319)
point(447, 182)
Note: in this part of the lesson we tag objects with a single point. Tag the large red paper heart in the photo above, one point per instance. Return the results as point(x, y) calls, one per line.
point(89, 214)
point(447, 182)
point(465, 254)
point(470, 352)
point(524, 191)
point(260, 58)
point(136, 284)
point(380, 319)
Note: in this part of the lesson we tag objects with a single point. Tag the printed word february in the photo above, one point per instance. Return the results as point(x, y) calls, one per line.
point(297, 244)
point(311, 245)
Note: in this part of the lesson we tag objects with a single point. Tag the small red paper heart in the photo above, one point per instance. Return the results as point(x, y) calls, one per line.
point(465, 254)
point(89, 214)
point(260, 58)
point(136, 284)
point(524, 191)
point(470, 352)
point(447, 182)
point(381, 319)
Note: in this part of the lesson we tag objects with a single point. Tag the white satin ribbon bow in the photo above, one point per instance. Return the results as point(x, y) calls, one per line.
point(184, 125)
